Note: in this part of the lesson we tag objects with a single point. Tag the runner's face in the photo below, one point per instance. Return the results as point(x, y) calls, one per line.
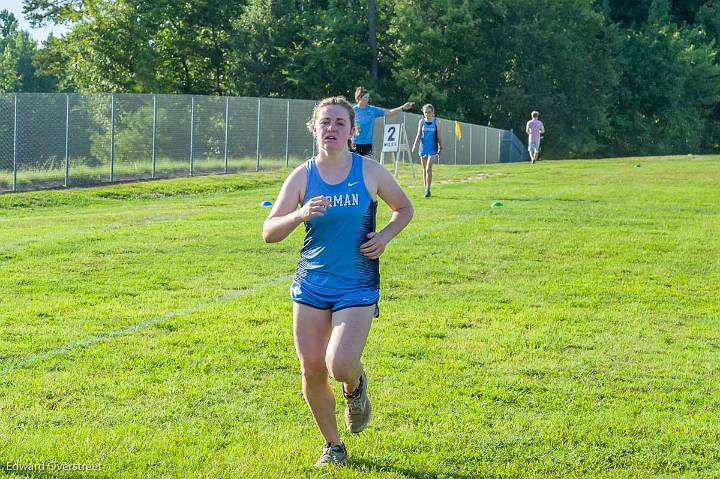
point(364, 100)
point(332, 127)
point(428, 114)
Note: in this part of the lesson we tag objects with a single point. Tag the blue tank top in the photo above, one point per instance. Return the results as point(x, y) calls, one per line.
point(429, 144)
point(330, 257)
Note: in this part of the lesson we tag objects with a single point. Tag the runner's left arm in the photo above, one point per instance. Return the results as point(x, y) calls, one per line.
point(402, 212)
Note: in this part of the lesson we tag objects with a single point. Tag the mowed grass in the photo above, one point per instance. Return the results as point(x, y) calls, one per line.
point(573, 332)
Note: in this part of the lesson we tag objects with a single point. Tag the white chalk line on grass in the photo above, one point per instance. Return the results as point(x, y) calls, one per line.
point(133, 328)
point(88, 342)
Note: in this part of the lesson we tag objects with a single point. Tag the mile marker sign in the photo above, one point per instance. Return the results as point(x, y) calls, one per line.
point(395, 145)
point(391, 138)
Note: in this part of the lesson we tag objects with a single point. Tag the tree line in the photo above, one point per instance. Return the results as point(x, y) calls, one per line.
point(610, 77)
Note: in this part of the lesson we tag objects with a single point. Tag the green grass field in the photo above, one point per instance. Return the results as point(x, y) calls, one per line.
point(572, 333)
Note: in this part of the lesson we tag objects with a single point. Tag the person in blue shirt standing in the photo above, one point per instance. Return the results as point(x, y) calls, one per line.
point(336, 287)
point(365, 114)
point(430, 144)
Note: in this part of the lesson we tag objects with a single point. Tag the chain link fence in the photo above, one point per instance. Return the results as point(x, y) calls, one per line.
point(53, 140)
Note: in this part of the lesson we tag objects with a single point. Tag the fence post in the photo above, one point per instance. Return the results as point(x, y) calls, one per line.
point(471, 152)
point(485, 157)
point(192, 131)
point(67, 137)
point(439, 125)
point(455, 147)
point(500, 146)
point(287, 136)
point(154, 126)
point(257, 144)
point(383, 139)
point(112, 137)
point(510, 150)
point(227, 115)
point(15, 117)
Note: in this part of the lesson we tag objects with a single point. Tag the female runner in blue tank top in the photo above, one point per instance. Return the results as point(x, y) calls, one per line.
point(336, 287)
point(430, 144)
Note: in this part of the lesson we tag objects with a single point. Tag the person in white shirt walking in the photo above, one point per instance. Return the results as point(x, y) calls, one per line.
point(534, 129)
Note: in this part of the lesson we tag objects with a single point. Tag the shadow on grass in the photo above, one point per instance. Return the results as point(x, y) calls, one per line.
point(443, 197)
point(550, 198)
point(522, 199)
point(365, 465)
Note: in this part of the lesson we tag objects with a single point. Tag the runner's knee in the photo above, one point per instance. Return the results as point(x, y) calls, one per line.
point(342, 368)
point(313, 370)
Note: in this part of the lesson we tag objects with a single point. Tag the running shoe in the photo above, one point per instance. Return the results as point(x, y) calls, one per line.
point(333, 455)
point(357, 407)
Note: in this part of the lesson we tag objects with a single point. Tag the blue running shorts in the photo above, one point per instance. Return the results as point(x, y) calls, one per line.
point(334, 300)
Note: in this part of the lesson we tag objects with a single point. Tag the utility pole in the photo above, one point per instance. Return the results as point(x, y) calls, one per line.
point(372, 27)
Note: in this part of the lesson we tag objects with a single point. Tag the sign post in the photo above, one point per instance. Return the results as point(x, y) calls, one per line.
point(396, 145)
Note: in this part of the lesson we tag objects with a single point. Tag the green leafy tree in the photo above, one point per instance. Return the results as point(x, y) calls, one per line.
point(142, 45)
point(494, 62)
point(8, 24)
point(668, 89)
point(626, 13)
point(193, 44)
point(333, 55)
point(10, 80)
point(557, 58)
point(609, 76)
point(634, 14)
point(707, 21)
point(441, 56)
point(18, 59)
point(50, 66)
point(300, 49)
point(266, 32)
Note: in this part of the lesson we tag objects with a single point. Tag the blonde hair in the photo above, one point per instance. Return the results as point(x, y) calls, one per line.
point(332, 100)
point(428, 105)
point(360, 92)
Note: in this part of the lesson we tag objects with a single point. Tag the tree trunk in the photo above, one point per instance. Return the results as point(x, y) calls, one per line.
point(372, 28)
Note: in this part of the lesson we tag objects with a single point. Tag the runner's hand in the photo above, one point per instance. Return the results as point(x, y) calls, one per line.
point(375, 246)
point(313, 208)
